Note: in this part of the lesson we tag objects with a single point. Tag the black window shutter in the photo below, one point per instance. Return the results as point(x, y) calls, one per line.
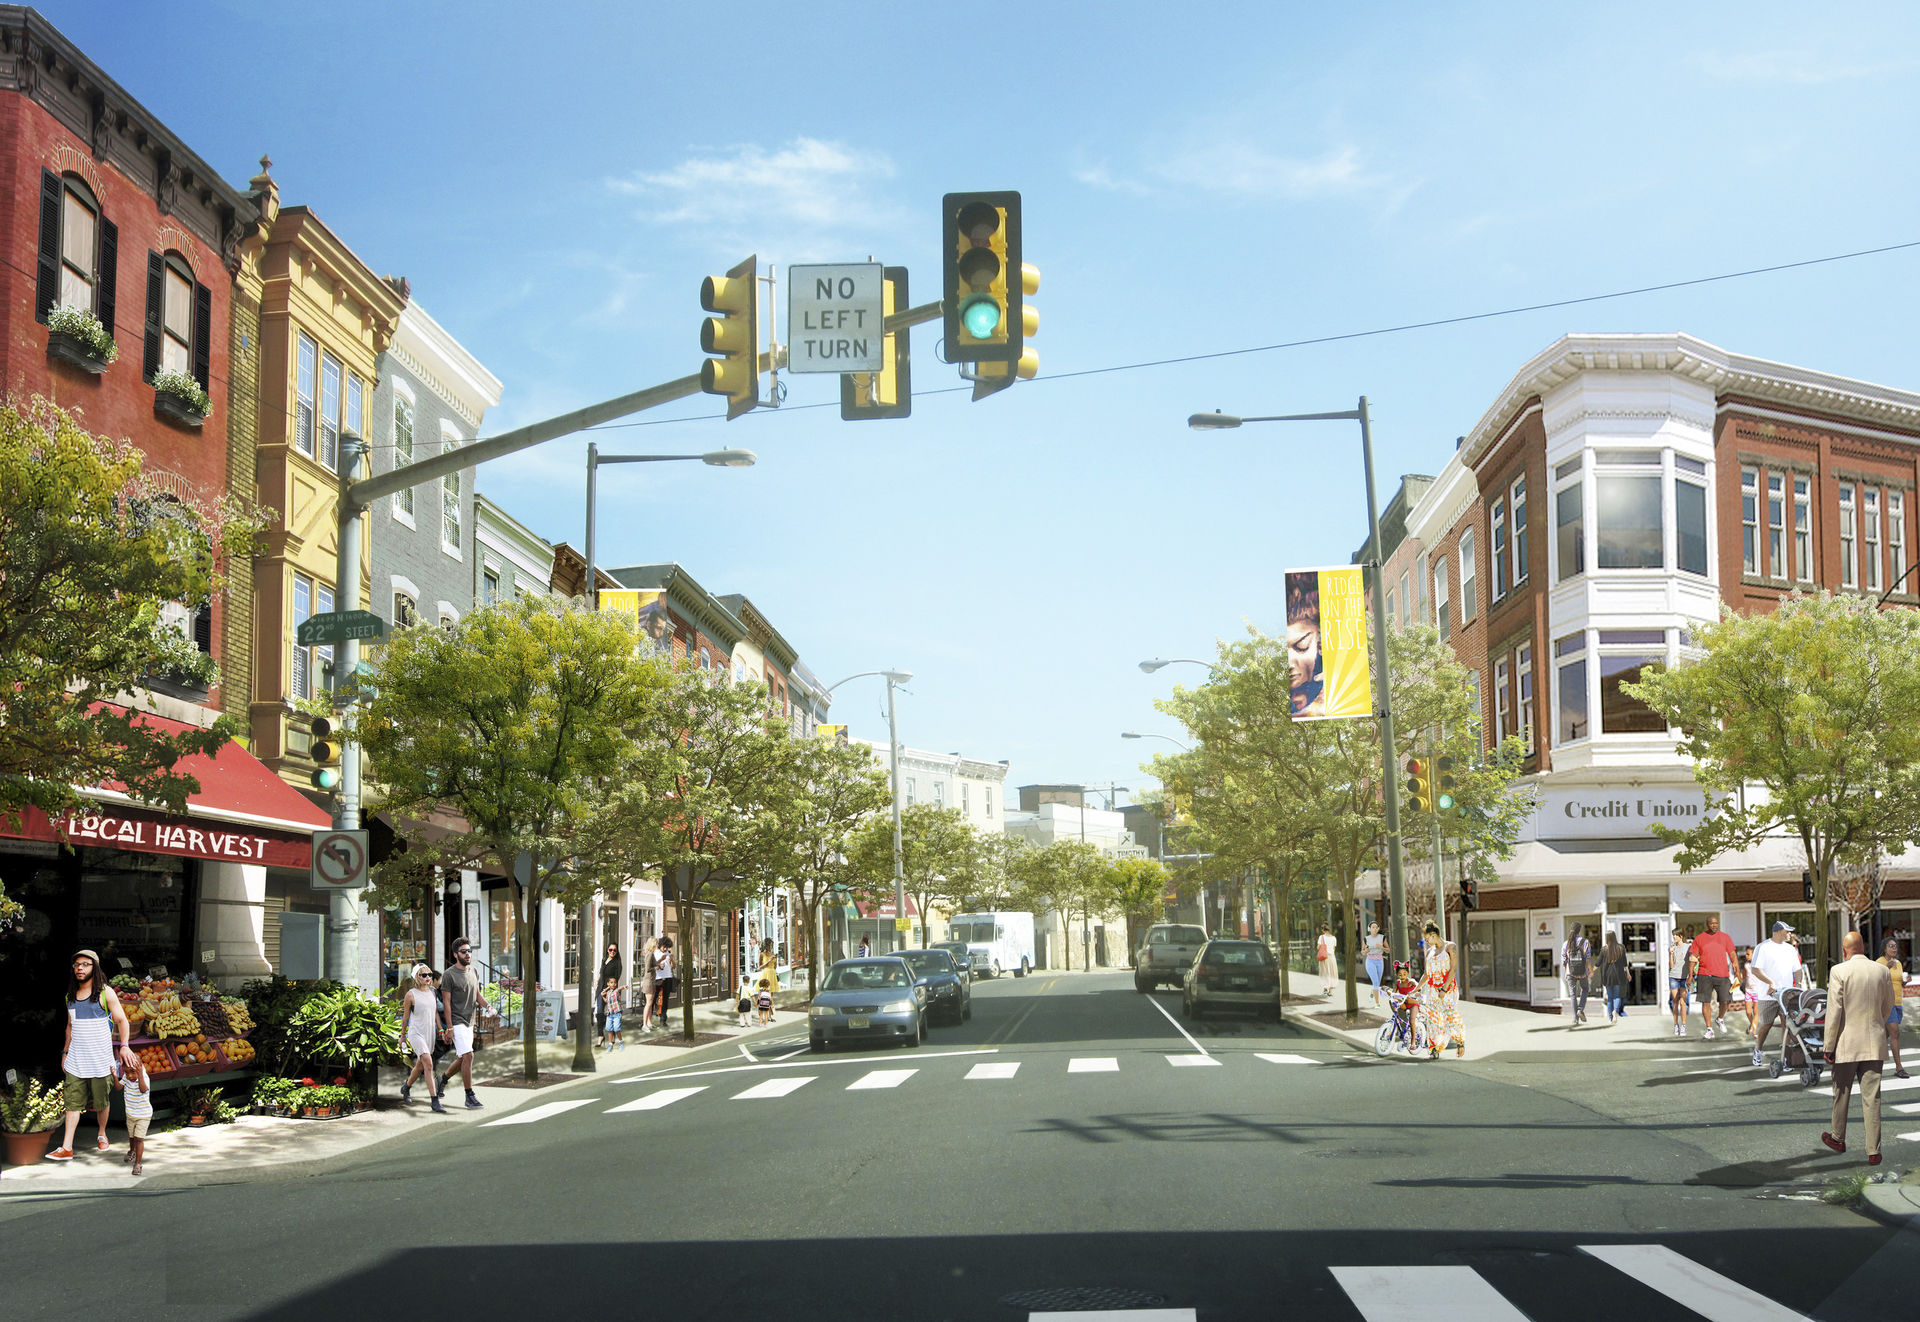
point(202, 334)
point(203, 629)
point(109, 272)
point(156, 291)
point(47, 285)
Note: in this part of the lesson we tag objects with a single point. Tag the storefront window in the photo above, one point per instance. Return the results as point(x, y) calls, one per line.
point(572, 960)
point(1497, 955)
point(1896, 925)
point(1801, 920)
point(132, 908)
point(503, 941)
point(404, 942)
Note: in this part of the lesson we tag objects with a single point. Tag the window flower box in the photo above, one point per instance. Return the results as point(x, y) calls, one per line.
point(178, 397)
point(76, 337)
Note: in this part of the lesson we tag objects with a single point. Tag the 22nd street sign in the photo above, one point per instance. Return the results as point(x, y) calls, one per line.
point(338, 627)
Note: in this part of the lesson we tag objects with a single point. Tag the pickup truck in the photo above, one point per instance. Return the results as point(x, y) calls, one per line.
point(1166, 954)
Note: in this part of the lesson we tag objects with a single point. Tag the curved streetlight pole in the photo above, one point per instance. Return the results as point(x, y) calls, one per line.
point(1396, 887)
point(1151, 666)
point(893, 678)
point(1135, 734)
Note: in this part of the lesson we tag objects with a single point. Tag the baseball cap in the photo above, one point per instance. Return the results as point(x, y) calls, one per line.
point(1782, 926)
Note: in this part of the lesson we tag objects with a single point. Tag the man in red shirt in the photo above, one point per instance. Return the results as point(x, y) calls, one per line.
point(1711, 958)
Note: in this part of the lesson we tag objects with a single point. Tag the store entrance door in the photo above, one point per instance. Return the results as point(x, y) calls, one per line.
point(1645, 940)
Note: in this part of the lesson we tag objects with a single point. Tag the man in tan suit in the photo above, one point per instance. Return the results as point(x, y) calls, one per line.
point(1859, 999)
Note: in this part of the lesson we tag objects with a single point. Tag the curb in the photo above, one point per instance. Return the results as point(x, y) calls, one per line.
point(1894, 1203)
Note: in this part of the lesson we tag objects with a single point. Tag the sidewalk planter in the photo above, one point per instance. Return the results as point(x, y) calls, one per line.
point(28, 1149)
point(73, 350)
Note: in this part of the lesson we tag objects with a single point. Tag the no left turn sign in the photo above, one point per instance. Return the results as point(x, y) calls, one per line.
point(340, 859)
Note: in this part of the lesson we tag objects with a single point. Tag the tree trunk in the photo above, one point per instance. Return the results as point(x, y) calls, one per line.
point(1283, 924)
point(589, 988)
point(683, 905)
point(529, 1045)
point(1346, 927)
point(815, 940)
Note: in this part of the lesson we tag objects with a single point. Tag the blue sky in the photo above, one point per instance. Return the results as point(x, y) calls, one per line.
point(555, 181)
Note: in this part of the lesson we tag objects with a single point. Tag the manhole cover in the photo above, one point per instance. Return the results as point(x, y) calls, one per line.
point(1082, 1299)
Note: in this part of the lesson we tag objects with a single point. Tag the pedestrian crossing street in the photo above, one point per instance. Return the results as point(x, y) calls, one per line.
point(875, 1080)
point(1437, 1293)
point(1894, 1095)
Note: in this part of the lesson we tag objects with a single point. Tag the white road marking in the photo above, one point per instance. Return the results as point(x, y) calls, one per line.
point(1176, 1025)
point(1434, 1294)
point(1093, 1065)
point(1281, 1058)
point(687, 1072)
point(653, 1101)
point(881, 1079)
point(994, 1069)
point(1915, 1135)
point(1898, 1085)
point(789, 1055)
point(1690, 1285)
point(534, 1114)
point(774, 1088)
point(1119, 1315)
point(741, 1047)
point(1191, 1060)
point(1911, 1108)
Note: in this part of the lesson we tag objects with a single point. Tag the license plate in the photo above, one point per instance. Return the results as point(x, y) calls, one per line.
point(1236, 982)
point(857, 1021)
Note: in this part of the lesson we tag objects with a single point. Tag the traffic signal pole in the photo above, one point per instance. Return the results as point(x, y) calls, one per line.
point(343, 916)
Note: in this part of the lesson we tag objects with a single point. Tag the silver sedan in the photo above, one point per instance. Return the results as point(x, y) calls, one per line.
point(868, 1000)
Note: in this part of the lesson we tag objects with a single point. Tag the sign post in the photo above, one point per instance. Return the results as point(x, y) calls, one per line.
point(835, 318)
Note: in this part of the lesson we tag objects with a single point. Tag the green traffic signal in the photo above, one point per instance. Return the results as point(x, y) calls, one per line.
point(326, 778)
point(1444, 803)
point(980, 315)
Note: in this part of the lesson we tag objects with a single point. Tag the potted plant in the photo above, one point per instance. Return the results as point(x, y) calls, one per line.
point(344, 1032)
point(75, 335)
point(178, 396)
point(203, 1104)
point(28, 1114)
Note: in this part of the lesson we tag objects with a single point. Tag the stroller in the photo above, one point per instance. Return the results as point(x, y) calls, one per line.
point(1803, 1020)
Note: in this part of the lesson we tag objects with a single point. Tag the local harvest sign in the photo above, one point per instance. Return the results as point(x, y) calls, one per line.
point(1597, 813)
point(151, 833)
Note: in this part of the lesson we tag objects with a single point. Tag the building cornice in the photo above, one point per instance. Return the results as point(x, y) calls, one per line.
point(299, 226)
point(436, 359)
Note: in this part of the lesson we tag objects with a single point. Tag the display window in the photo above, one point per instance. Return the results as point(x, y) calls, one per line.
point(1497, 955)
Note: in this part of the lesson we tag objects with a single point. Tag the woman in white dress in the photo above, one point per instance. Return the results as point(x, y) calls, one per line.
point(420, 1027)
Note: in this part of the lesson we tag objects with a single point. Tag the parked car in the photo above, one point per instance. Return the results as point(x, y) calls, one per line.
point(949, 996)
point(1166, 953)
point(961, 959)
point(1232, 975)
point(868, 1000)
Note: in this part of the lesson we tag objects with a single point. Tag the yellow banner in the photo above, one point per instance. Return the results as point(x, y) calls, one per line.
point(648, 611)
point(835, 733)
point(1327, 643)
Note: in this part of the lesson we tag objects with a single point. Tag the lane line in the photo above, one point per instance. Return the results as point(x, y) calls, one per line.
point(688, 1072)
point(998, 1069)
point(1433, 1294)
point(1282, 1058)
point(1687, 1283)
point(535, 1114)
point(1915, 1135)
point(741, 1047)
point(1190, 1060)
point(774, 1088)
point(1093, 1065)
point(653, 1101)
point(789, 1055)
point(1176, 1024)
point(1120, 1315)
point(881, 1079)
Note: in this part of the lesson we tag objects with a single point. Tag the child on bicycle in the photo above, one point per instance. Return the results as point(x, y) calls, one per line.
point(1404, 996)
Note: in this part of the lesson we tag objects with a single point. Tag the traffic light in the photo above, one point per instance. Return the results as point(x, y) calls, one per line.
point(734, 335)
point(984, 289)
point(998, 376)
point(887, 393)
point(1806, 887)
point(1420, 783)
point(1469, 893)
point(325, 751)
point(1444, 783)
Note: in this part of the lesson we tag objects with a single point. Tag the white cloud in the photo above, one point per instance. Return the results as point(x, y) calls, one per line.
point(1797, 68)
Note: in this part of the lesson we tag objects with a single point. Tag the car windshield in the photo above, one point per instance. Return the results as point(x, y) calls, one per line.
point(973, 931)
point(1184, 936)
point(1246, 955)
point(924, 962)
point(867, 977)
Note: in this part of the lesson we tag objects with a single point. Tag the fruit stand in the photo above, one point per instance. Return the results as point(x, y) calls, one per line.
point(183, 1033)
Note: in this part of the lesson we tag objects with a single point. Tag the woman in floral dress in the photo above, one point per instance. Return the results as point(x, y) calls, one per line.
point(1440, 1021)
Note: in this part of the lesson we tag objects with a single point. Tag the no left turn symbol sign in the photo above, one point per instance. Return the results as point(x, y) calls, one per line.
point(340, 858)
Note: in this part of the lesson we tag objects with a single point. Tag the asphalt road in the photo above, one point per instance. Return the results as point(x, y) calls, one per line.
point(1075, 1146)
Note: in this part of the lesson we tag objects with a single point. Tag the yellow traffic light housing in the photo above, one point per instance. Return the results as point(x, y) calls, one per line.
point(982, 278)
point(324, 748)
point(887, 393)
point(1445, 787)
point(998, 376)
point(1420, 784)
point(734, 335)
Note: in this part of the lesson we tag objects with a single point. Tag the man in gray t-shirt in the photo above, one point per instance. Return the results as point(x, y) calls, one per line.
point(465, 997)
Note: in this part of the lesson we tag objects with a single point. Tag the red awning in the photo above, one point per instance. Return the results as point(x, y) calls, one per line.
point(235, 786)
point(886, 909)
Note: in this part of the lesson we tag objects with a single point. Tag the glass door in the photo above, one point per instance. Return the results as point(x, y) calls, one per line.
point(1646, 941)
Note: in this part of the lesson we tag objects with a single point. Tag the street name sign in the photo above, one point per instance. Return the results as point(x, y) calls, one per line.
point(338, 627)
point(340, 859)
point(834, 318)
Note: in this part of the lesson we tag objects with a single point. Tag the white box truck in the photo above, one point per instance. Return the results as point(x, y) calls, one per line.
point(998, 942)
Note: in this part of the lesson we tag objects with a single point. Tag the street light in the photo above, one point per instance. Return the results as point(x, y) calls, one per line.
point(1217, 421)
point(893, 678)
point(1151, 666)
point(1135, 734)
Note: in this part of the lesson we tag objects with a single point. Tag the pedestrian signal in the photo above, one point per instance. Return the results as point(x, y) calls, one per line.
point(1806, 887)
point(734, 335)
point(325, 751)
point(1420, 783)
point(1444, 784)
point(1469, 893)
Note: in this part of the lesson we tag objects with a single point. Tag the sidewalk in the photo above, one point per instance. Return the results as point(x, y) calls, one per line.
point(293, 1148)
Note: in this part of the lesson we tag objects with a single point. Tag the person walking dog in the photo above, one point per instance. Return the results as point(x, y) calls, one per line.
point(1859, 1000)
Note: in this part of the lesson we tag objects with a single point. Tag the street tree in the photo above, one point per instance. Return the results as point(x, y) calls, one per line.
point(102, 559)
point(516, 719)
point(1137, 888)
point(938, 857)
point(1064, 877)
point(1818, 705)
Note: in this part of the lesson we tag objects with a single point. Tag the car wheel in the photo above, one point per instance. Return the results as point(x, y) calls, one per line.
point(1141, 985)
point(919, 1032)
point(816, 1044)
point(1186, 1006)
point(966, 1012)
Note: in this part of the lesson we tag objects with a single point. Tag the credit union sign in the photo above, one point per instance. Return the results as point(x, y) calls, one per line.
point(1614, 813)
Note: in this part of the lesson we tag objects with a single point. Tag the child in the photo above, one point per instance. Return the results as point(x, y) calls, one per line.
point(745, 1007)
point(1404, 997)
point(139, 1107)
point(763, 1002)
point(610, 998)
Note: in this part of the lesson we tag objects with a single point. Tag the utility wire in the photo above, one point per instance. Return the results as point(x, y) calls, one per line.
point(1354, 335)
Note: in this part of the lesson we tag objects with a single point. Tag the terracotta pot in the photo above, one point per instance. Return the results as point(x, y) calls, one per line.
point(196, 1121)
point(27, 1149)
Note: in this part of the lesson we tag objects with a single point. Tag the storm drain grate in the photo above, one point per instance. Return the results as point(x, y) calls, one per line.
point(1081, 1299)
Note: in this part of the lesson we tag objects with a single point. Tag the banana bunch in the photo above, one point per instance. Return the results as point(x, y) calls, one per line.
point(157, 1005)
point(237, 1016)
point(177, 1022)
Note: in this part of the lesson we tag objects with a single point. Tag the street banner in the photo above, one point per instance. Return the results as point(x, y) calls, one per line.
point(834, 733)
point(648, 610)
point(1327, 643)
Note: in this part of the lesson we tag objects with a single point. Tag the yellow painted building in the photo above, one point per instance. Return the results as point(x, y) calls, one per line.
point(324, 319)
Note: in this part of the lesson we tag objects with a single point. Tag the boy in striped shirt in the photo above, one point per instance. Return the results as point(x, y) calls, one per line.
point(139, 1107)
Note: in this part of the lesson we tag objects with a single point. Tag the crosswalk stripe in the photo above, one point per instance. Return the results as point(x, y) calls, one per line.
point(881, 1079)
point(653, 1101)
point(1691, 1285)
point(1119, 1315)
point(774, 1088)
point(999, 1069)
point(1093, 1065)
point(1911, 1108)
point(1433, 1294)
point(1915, 1135)
point(1184, 1059)
point(1281, 1058)
point(535, 1114)
point(1898, 1085)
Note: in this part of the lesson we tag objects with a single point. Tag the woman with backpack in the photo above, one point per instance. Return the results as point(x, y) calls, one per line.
point(1577, 960)
point(1614, 976)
